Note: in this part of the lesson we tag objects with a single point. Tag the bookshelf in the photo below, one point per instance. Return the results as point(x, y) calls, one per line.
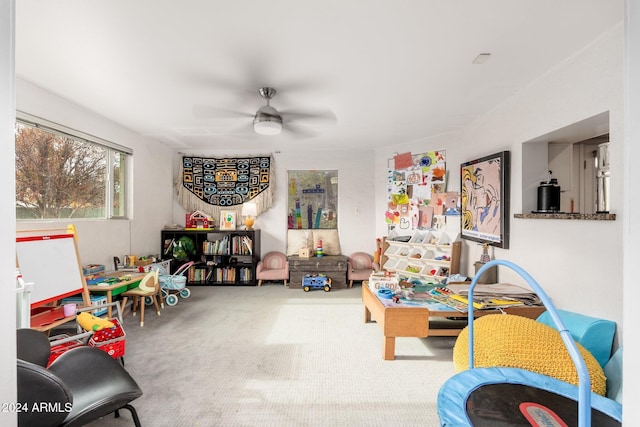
point(221, 257)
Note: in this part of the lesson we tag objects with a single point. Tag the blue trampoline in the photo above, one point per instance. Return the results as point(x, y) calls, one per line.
point(496, 397)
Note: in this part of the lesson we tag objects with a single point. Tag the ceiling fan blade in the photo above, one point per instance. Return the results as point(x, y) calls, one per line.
point(244, 86)
point(287, 88)
point(245, 131)
point(299, 131)
point(211, 112)
point(317, 116)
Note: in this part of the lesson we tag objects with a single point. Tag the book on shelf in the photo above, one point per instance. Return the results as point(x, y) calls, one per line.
point(248, 243)
point(224, 246)
point(216, 247)
point(170, 227)
point(228, 245)
point(168, 246)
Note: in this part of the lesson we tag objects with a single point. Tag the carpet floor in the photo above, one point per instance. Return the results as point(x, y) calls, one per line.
point(273, 356)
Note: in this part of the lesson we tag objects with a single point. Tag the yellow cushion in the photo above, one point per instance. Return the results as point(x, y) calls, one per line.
point(517, 342)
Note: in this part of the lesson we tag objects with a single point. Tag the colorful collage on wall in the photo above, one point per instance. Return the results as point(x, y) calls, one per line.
point(416, 191)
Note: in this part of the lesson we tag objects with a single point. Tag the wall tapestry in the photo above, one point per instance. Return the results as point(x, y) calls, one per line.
point(211, 184)
point(416, 191)
point(313, 199)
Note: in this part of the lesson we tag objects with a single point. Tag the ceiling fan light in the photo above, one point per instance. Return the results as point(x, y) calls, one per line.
point(267, 127)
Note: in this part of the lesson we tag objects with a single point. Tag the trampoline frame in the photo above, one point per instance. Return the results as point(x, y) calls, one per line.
point(584, 382)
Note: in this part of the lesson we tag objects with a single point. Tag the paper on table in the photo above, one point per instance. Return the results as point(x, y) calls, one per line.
point(493, 289)
point(497, 291)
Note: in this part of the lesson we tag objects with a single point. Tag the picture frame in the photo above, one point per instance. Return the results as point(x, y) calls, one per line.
point(312, 199)
point(228, 220)
point(485, 193)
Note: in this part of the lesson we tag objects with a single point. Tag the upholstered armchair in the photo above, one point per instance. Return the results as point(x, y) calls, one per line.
point(360, 266)
point(273, 266)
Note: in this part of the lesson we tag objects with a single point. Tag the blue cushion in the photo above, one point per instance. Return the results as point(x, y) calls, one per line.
point(613, 372)
point(596, 335)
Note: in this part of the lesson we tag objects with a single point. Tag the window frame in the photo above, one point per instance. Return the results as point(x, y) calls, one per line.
point(112, 150)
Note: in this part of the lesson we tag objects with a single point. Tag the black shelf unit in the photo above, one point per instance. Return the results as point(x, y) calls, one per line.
point(223, 257)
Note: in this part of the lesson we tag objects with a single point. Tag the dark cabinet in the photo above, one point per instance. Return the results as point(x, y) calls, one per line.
point(333, 266)
point(221, 257)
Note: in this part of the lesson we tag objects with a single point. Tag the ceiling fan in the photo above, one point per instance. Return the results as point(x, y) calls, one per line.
point(267, 120)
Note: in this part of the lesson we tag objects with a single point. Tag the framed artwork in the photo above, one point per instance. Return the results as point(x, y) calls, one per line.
point(485, 189)
point(227, 220)
point(312, 199)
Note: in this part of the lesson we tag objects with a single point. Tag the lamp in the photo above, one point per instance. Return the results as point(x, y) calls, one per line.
point(249, 212)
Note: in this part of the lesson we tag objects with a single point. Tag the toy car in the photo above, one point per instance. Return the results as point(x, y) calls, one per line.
point(316, 281)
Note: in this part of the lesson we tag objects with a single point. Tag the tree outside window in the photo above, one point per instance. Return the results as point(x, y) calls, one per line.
point(59, 176)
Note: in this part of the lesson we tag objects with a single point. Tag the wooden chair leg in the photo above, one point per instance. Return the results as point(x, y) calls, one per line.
point(134, 305)
point(260, 282)
point(155, 303)
point(141, 302)
point(161, 300)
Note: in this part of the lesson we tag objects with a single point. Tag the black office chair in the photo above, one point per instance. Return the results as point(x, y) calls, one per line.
point(33, 346)
point(81, 385)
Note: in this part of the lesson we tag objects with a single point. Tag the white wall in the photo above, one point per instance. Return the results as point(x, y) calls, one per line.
point(578, 263)
point(150, 177)
point(631, 208)
point(355, 193)
point(7, 210)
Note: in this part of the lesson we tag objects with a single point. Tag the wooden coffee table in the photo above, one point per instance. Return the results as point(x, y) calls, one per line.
point(420, 322)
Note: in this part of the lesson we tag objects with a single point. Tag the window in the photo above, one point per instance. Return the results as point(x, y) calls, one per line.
point(64, 174)
point(570, 153)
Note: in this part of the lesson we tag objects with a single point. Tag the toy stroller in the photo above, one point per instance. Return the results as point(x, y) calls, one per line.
point(173, 285)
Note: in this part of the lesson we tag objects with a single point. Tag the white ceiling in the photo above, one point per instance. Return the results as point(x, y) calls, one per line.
point(390, 71)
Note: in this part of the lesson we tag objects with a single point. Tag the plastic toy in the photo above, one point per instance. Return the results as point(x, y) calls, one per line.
point(174, 285)
point(316, 281)
point(89, 322)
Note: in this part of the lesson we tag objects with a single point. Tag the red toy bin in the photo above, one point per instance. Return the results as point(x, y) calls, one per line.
point(110, 340)
point(57, 350)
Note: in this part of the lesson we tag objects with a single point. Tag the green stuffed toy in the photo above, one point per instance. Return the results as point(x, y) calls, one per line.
point(183, 248)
